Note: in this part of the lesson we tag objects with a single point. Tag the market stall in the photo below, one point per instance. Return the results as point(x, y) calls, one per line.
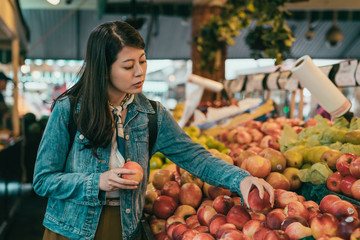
point(13, 47)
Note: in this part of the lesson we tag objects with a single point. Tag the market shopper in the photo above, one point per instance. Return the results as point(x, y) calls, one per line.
point(3, 108)
point(87, 197)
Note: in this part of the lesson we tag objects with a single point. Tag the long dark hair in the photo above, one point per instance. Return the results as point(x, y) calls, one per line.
point(94, 120)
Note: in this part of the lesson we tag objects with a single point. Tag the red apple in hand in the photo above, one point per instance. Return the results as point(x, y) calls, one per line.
point(333, 182)
point(138, 176)
point(343, 163)
point(257, 204)
point(355, 168)
point(345, 185)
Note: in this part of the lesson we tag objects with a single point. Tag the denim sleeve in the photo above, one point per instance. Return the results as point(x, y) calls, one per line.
point(175, 144)
point(51, 178)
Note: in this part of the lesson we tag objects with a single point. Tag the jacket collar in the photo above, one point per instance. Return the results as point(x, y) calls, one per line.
point(141, 104)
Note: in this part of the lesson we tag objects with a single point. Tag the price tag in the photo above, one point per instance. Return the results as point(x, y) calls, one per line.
point(272, 81)
point(345, 76)
point(292, 83)
point(258, 82)
point(250, 84)
point(238, 84)
point(357, 75)
point(283, 79)
point(326, 70)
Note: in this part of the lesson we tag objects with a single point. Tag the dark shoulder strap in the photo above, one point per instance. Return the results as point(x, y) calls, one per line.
point(152, 126)
point(71, 124)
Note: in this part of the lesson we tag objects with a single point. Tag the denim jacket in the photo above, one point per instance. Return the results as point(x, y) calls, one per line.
point(71, 181)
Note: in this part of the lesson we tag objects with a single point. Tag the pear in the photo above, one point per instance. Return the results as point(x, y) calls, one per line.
point(330, 157)
point(315, 153)
point(352, 137)
point(293, 159)
point(304, 150)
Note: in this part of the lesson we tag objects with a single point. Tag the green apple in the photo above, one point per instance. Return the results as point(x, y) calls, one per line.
point(293, 158)
point(159, 154)
point(193, 131)
point(155, 162)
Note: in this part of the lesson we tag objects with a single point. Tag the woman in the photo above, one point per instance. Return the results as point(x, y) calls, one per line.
point(87, 198)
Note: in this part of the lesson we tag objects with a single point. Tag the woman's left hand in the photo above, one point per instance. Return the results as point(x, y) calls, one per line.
point(261, 184)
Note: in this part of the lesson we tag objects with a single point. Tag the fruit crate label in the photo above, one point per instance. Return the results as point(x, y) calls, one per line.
point(272, 81)
point(345, 76)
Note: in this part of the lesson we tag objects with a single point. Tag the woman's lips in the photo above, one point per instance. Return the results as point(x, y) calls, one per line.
point(139, 84)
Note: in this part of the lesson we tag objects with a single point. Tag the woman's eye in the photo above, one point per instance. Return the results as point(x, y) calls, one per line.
point(142, 62)
point(128, 68)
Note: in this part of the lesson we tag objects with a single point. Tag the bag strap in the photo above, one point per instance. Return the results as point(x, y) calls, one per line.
point(152, 124)
point(72, 125)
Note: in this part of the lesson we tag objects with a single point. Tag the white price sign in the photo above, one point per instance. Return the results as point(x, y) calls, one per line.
point(272, 81)
point(345, 76)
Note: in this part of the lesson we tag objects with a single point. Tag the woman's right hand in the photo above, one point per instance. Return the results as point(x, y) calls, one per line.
point(111, 180)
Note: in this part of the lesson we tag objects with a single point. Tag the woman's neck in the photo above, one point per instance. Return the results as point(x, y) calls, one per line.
point(116, 100)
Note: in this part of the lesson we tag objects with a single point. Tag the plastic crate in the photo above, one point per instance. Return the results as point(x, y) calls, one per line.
point(317, 192)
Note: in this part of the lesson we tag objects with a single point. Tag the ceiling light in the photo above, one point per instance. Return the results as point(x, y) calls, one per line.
point(53, 2)
point(334, 35)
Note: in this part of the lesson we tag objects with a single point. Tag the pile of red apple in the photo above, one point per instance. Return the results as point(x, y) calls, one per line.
point(181, 206)
point(346, 179)
point(257, 135)
point(185, 211)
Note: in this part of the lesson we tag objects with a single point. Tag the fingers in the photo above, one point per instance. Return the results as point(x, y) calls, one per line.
point(110, 180)
point(270, 190)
